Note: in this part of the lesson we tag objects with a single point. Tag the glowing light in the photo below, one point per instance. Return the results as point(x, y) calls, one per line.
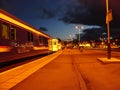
point(7, 18)
point(5, 48)
point(53, 44)
point(87, 45)
point(40, 48)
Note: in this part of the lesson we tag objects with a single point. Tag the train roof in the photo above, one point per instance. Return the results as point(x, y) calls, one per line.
point(12, 19)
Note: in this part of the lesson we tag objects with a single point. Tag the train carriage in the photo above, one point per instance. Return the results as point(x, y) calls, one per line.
point(19, 39)
point(54, 44)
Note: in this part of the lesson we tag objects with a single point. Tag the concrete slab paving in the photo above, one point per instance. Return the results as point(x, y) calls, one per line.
point(10, 78)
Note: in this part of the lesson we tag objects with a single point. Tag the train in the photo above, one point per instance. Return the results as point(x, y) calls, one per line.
point(54, 44)
point(18, 39)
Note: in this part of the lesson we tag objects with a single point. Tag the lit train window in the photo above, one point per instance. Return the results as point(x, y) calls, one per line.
point(41, 40)
point(45, 41)
point(54, 43)
point(30, 37)
point(13, 33)
point(5, 31)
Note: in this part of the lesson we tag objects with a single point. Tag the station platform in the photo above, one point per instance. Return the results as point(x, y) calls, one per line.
point(68, 69)
point(12, 77)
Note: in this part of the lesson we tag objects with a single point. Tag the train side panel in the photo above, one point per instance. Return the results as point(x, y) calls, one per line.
point(18, 42)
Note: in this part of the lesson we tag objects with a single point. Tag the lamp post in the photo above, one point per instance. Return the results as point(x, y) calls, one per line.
point(71, 37)
point(108, 19)
point(78, 27)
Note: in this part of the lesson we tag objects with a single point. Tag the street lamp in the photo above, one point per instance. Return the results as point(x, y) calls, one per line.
point(71, 37)
point(78, 27)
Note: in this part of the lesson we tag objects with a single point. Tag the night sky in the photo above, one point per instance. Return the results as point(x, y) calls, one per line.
point(60, 16)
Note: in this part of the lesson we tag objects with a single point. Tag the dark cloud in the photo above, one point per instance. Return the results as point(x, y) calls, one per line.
point(46, 13)
point(43, 29)
point(86, 12)
point(51, 8)
point(90, 12)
